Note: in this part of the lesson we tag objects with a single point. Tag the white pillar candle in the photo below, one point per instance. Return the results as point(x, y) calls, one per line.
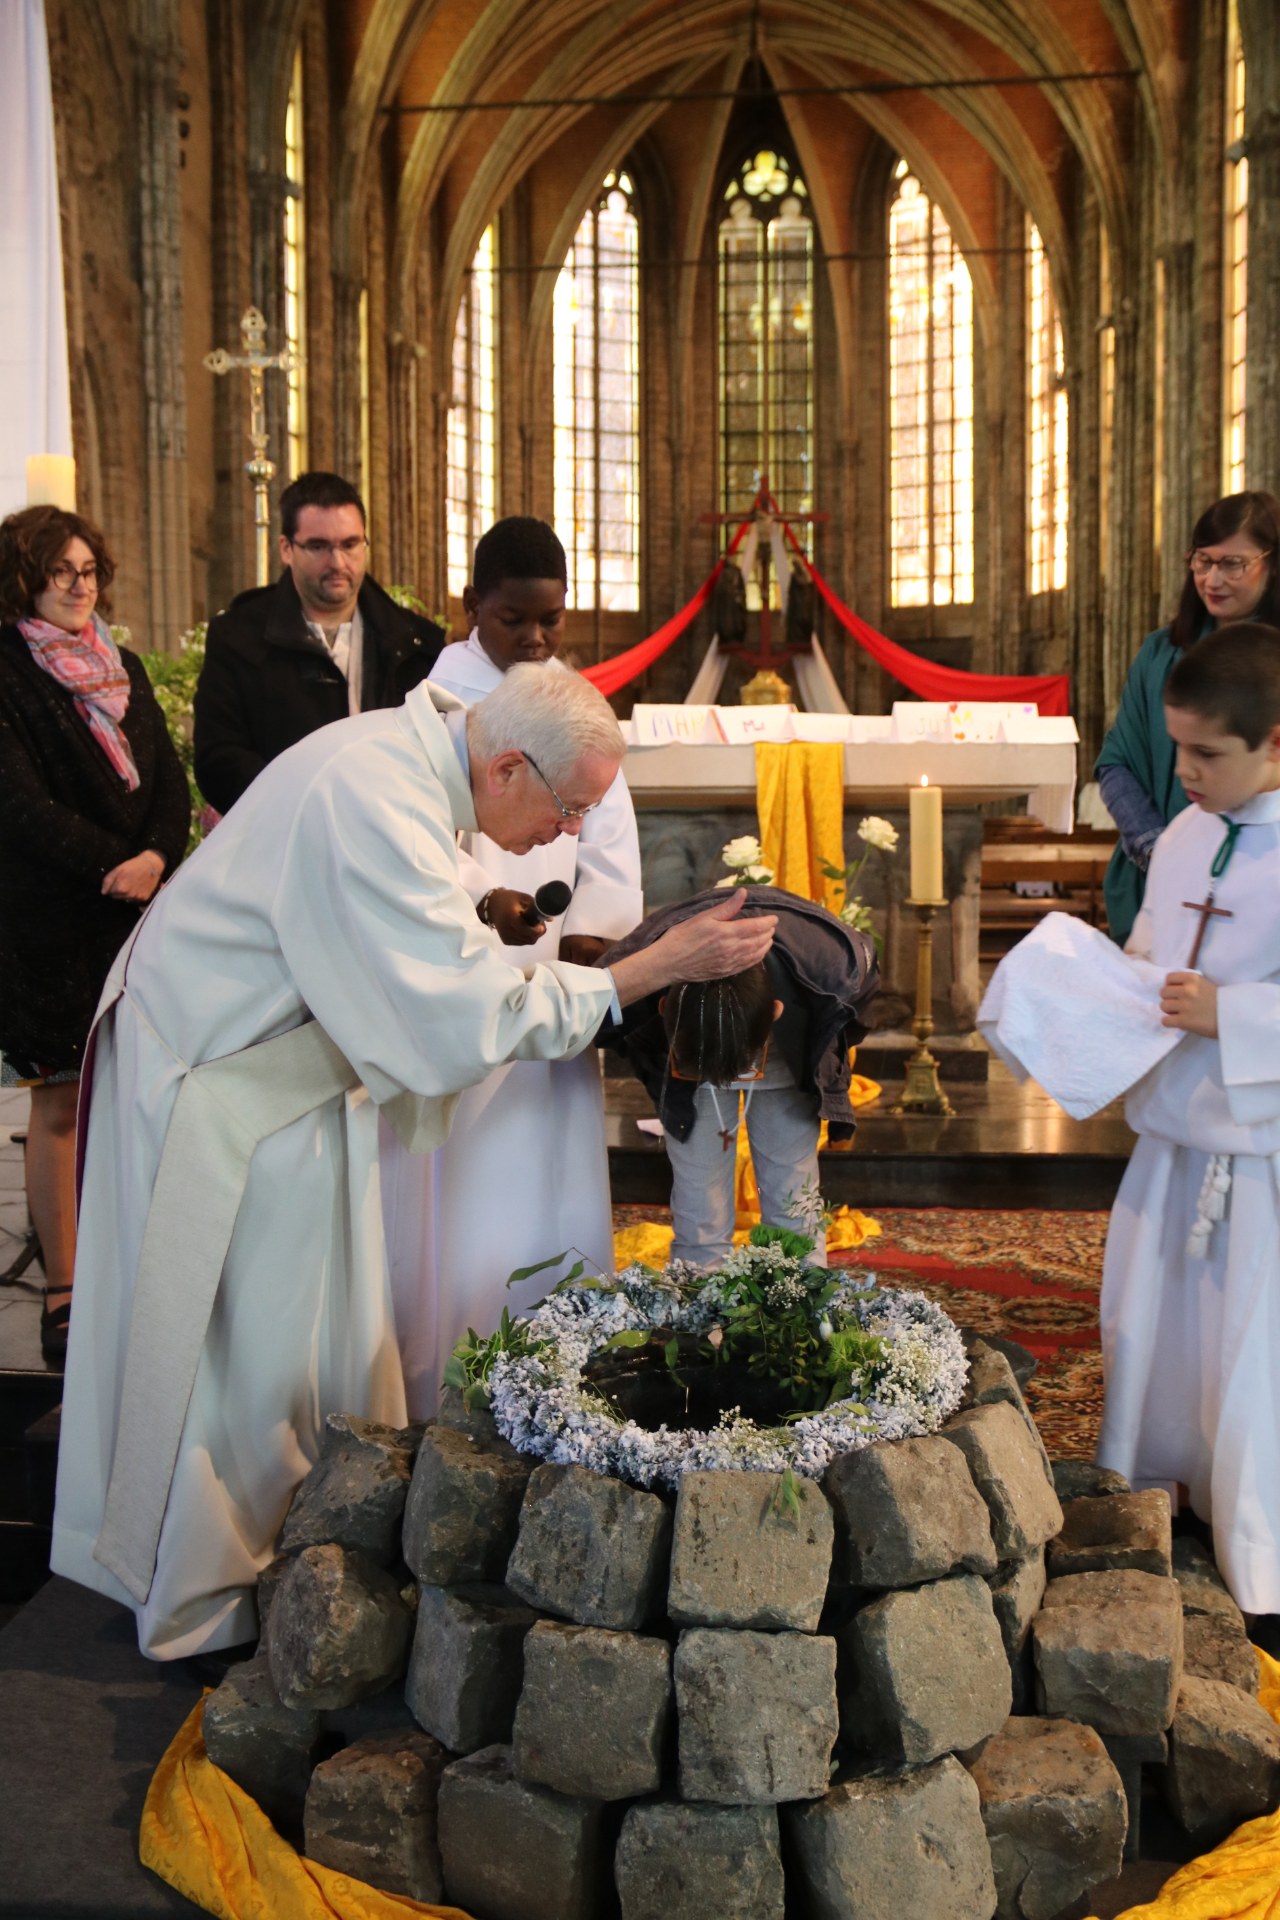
point(51, 481)
point(926, 841)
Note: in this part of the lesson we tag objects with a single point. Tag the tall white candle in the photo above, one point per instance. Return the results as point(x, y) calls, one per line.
point(51, 481)
point(926, 841)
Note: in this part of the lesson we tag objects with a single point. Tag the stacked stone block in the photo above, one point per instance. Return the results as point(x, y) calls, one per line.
point(861, 1698)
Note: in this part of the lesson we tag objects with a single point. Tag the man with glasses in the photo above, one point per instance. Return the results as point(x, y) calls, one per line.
point(324, 642)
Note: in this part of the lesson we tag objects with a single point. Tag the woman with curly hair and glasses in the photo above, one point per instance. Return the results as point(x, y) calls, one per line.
point(94, 812)
point(1233, 573)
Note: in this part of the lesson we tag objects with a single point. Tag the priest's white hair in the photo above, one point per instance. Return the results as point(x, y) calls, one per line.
point(553, 716)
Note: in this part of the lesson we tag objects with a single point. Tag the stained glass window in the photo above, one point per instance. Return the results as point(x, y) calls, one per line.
point(596, 471)
point(930, 404)
point(766, 338)
point(1046, 426)
point(295, 277)
point(471, 435)
point(1235, 264)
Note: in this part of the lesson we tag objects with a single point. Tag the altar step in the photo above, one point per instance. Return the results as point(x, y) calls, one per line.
point(1005, 1145)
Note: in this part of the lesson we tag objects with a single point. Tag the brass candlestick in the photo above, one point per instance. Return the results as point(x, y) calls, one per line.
point(922, 1090)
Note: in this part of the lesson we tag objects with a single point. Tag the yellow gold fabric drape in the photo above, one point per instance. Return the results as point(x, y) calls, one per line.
point(203, 1835)
point(800, 802)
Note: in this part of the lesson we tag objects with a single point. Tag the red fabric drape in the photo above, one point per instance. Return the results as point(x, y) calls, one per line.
point(1050, 691)
point(609, 675)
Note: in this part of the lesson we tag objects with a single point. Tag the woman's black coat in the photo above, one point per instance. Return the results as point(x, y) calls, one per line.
point(66, 819)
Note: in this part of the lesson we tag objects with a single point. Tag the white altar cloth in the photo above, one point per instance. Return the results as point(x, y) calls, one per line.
point(876, 773)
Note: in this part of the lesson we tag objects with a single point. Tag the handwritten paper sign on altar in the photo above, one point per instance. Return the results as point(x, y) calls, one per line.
point(823, 726)
point(744, 726)
point(978, 719)
point(921, 720)
point(1031, 728)
point(665, 726)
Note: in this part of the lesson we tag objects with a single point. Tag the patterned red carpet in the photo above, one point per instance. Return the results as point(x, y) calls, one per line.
point(1033, 1277)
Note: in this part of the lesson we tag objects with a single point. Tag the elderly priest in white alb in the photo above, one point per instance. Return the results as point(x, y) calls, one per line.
point(315, 963)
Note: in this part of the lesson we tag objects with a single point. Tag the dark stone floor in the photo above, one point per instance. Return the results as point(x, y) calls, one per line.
point(1005, 1145)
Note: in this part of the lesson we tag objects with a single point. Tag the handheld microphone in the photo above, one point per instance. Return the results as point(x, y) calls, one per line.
point(549, 902)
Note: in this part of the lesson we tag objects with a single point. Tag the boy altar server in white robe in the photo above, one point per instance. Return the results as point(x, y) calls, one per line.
point(317, 960)
point(1191, 1282)
point(524, 1174)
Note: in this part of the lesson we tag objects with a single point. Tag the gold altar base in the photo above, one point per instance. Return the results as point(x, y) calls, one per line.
point(922, 1089)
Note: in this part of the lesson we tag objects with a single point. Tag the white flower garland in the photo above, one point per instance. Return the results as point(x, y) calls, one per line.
point(543, 1405)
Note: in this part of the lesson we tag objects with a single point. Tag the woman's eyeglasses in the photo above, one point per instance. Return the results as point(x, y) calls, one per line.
point(1232, 566)
point(64, 576)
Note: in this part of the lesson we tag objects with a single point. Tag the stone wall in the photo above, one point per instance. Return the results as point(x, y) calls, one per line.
point(757, 1698)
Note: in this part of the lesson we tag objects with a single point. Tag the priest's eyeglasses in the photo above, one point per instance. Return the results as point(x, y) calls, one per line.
point(67, 578)
point(570, 813)
point(323, 548)
point(1232, 566)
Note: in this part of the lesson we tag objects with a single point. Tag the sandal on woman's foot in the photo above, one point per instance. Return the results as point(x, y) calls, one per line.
point(54, 1322)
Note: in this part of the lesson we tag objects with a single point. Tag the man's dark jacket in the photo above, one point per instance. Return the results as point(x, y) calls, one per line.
point(824, 973)
point(267, 682)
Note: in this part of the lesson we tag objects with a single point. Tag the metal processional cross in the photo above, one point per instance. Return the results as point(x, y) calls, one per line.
point(256, 361)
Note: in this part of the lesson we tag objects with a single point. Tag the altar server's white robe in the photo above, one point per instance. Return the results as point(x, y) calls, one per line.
point(524, 1174)
point(319, 939)
point(1192, 1343)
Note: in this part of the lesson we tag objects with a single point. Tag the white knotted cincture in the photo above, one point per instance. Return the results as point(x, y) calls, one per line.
point(1212, 1204)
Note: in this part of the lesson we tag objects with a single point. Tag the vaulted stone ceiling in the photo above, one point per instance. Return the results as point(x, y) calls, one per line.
point(410, 54)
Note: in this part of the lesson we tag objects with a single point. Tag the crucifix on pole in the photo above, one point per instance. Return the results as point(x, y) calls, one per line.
point(766, 656)
point(256, 361)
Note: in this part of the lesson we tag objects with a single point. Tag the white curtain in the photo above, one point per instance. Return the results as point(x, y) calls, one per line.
point(35, 384)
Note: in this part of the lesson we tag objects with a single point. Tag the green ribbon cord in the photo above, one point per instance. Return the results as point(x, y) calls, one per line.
point(1222, 858)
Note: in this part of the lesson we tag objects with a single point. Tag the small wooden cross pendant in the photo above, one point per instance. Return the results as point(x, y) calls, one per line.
point(1207, 911)
point(726, 1139)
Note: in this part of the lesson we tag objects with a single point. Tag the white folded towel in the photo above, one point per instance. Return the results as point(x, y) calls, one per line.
point(1068, 1008)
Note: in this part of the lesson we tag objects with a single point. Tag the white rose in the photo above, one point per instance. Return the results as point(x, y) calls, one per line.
point(754, 876)
point(744, 852)
point(878, 833)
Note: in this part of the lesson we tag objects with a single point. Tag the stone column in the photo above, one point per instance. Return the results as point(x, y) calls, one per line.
point(1181, 504)
point(232, 563)
point(402, 417)
point(1262, 145)
point(1262, 427)
point(158, 60)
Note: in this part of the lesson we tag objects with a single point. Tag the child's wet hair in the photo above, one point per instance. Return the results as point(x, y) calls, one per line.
point(717, 1028)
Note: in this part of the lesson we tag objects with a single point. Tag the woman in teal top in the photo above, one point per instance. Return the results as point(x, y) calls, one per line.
point(1233, 573)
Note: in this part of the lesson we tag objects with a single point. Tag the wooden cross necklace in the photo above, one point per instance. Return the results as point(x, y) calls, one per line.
point(1205, 908)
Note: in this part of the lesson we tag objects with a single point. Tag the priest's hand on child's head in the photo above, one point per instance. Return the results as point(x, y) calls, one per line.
point(1189, 1001)
point(720, 942)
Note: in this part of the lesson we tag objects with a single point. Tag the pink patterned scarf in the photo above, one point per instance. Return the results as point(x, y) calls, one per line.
point(88, 664)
